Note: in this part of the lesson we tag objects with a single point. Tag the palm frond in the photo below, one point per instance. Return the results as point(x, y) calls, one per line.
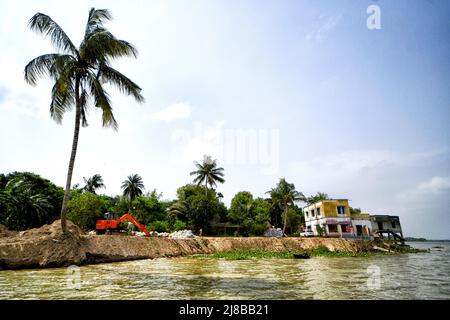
point(84, 96)
point(101, 46)
point(42, 23)
point(124, 84)
point(63, 98)
point(95, 20)
point(44, 65)
point(102, 101)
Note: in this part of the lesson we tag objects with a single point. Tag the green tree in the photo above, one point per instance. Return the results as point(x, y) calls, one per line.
point(208, 173)
point(317, 197)
point(149, 208)
point(85, 208)
point(23, 207)
point(93, 183)
point(261, 215)
point(355, 210)
point(33, 184)
point(79, 75)
point(200, 205)
point(285, 195)
point(133, 187)
point(294, 218)
point(242, 211)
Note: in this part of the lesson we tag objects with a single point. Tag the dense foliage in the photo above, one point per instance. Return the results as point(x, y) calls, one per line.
point(28, 201)
point(252, 215)
point(85, 208)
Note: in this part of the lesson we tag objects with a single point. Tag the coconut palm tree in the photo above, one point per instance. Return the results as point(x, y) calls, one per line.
point(285, 195)
point(93, 183)
point(318, 197)
point(208, 173)
point(133, 187)
point(79, 75)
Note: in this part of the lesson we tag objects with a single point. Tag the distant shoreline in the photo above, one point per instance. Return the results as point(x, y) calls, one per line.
point(410, 239)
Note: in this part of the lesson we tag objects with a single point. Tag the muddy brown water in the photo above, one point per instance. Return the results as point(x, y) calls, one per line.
point(409, 276)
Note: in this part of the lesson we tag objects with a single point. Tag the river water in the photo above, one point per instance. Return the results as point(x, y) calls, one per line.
point(408, 276)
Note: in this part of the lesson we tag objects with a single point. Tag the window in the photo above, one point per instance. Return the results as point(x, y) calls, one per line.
point(332, 228)
point(306, 214)
point(340, 209)
point(312, 213)
point(318, 212)
point(345, 228)
point(393, 225)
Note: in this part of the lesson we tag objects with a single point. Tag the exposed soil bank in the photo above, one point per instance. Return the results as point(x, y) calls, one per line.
point(48, 247)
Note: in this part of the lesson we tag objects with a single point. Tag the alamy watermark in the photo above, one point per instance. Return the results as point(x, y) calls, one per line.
point(374, 20)
point(374, 279)
point(232, 146)
point(73, 277)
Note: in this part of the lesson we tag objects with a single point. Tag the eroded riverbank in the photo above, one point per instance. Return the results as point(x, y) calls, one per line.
point(48, 247)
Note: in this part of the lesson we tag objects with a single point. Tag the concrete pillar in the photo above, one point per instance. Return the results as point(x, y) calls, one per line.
point(339, 229)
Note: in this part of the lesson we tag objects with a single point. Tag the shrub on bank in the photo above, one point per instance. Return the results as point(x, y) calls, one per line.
point(85, 208)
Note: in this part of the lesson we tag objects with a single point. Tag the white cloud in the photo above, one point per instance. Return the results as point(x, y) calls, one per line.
point(322, 169)
point(17, 95)
point(173, 112)
point(435, 185)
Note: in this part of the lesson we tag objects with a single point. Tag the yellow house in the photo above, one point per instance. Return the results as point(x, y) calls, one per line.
point(333, 218)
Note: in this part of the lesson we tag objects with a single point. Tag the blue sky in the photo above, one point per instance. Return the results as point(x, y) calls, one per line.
point(324, 102)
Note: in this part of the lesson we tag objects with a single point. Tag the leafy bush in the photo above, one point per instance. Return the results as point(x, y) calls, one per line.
point(85, 208)
point(160, 226)
point(320, 231)
point(179, 225)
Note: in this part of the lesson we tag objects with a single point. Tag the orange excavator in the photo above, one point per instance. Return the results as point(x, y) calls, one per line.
point(102, 226)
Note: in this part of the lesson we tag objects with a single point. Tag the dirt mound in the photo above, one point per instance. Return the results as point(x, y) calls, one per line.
point(52, 230)
point(4, 232)
point(46, 246)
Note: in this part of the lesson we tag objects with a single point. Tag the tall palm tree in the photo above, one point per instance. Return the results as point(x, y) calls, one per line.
point(79, 75)
point(208, 173)
point(93, 183)
point(133, 187)
point(285, 195)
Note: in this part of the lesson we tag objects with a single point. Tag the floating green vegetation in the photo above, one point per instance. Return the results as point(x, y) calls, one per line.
point(247, 255)
point(321, 251)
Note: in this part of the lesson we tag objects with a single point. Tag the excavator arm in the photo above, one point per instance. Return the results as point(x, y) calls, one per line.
point(135, 222)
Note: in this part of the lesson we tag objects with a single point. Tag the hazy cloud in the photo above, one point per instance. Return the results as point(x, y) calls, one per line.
point(173, 112)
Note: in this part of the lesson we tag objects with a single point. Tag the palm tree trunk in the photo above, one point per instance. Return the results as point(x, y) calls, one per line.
point(72, 157)
point(285, 218)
